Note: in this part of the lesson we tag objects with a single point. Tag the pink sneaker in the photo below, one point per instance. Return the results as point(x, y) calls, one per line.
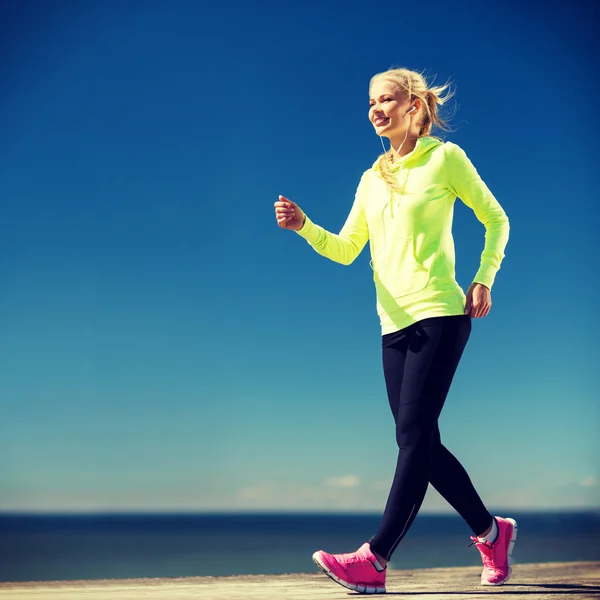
point(355, 571)
point(497, 556)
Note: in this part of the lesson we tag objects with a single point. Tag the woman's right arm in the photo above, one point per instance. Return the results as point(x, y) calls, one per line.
point(345, 246)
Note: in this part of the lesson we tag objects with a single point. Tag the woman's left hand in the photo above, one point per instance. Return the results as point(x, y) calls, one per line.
point(479, 301)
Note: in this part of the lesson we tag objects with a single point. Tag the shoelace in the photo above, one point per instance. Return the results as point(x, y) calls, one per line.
point(477, 541)
point(351, 557)
point(487, 555)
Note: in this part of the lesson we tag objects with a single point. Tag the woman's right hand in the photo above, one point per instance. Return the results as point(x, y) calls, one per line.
point(289, 215)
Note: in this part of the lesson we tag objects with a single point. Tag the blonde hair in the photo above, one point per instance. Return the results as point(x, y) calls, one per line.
point(414, 85)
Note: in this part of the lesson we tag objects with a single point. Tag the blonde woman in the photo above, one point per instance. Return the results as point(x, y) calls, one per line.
point(403, 208)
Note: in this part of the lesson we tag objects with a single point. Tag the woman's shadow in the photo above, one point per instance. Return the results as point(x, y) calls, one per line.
point(564, 589)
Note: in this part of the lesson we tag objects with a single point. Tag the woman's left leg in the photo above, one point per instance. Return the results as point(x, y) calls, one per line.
point(435, 347)
point(419, 363)
point(452, 482)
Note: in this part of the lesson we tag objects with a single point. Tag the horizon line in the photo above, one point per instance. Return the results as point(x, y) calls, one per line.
point(266, 512)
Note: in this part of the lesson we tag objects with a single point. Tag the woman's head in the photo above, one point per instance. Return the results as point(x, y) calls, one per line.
point(401, 99)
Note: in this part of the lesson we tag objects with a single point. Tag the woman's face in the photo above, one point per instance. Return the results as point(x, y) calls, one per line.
point(388, 109)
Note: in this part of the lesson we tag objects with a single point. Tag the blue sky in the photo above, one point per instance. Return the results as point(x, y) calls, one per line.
point(165, 346)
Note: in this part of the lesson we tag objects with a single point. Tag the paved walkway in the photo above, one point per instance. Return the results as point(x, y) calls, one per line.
point(551, 581)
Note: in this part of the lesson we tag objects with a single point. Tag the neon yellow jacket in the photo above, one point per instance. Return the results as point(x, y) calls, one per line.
point(410, 233)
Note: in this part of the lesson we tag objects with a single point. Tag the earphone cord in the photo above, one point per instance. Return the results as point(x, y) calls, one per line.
point(391, 147)
point(401, 160)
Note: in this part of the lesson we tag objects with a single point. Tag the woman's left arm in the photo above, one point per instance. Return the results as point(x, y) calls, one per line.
point(471, 189)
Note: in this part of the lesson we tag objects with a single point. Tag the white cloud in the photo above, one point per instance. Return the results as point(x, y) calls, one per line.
point(344, 481)
point(257, 492)
point(348, 492)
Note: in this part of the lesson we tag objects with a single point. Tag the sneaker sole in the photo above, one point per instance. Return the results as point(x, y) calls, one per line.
point(361, 589)
point(511, 547)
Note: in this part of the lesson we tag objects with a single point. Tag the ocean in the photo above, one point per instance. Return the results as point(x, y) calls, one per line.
point(74, 547)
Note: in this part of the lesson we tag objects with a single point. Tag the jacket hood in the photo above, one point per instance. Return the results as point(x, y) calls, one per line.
point(423, 146)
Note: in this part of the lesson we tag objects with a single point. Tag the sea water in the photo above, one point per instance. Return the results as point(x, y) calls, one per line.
point(75, 547)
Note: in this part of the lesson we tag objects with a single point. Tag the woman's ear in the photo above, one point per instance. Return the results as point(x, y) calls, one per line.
point(415, 106)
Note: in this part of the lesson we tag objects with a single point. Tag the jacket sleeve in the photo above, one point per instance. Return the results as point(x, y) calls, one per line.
point(345, 246)
point(466, 183)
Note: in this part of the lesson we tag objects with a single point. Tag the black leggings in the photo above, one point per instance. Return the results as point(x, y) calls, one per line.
point(419, 363)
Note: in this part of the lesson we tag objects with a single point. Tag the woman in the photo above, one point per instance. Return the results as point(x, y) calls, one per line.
point(403, 208)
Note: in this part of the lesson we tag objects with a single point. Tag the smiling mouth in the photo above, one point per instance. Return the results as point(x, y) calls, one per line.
point(380, 122)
